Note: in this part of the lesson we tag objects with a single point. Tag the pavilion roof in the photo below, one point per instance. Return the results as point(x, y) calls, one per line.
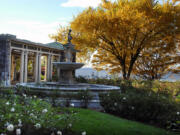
point(55, 45)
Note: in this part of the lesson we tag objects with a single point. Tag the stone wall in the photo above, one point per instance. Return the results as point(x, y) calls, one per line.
point(4, 61)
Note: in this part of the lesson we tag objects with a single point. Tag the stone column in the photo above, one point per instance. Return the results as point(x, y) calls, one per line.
point(39, 68)
point(58, 69)
point(12, 68)
point(46, 74)
point(49, 68)
point(5, 60)
point(26, 67)
point(8, 73)
point(36, 67)
point(22, 68)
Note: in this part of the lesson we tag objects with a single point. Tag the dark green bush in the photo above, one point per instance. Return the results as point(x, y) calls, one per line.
point(145, 106)
point(81, 79)
point(32, 111)
point(84, 96)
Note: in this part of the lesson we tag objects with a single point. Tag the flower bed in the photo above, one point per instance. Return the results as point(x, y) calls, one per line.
point(22, 115)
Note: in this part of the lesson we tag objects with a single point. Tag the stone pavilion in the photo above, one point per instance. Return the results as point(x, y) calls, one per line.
point(23, 61)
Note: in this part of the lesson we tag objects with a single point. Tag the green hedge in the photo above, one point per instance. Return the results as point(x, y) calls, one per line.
point(146, 106)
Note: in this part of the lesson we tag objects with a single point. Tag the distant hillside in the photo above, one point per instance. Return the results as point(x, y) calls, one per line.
point(92, 73)
point(171, 77)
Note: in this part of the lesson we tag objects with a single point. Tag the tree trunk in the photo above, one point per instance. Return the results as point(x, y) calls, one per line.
point(131, 67)
point(123, 65)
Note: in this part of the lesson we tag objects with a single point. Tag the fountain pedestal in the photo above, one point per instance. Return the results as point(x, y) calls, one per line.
point(66, 71)
point(66, 77)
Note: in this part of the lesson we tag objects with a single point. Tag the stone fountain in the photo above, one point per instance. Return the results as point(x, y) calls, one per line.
point(67, 83)
point(66, 68)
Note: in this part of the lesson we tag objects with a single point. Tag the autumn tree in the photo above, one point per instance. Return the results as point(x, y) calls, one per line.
point(154, 64)
point(119, 32)
point(157, 62)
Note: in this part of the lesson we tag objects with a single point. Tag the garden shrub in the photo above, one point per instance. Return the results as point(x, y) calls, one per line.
point(68, 97)
point(172, 88)
point(145, 106)
point(81, 79)
point(84, 96)
point(32, 116)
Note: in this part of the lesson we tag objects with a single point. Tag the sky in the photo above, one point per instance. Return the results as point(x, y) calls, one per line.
point(34, 20)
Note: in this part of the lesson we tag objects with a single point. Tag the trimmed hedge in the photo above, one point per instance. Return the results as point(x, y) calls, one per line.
point(158, 109)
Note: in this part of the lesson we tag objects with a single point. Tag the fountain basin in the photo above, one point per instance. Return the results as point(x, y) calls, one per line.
point(68, 87)
point(48, 89)
point(68, 65)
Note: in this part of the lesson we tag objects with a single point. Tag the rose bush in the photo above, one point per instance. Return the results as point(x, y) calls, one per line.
point(25, 115)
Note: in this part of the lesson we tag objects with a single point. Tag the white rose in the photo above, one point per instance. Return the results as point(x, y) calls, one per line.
point(70, 125)
point(44, 111)
point(7, 103)
point(31, 114)
point(59, 133)
point(84, 133)
point(12, 109)
point(18, 131)
point(37, 125)
point(10, 127)
point(72, 105)
point(19, 123)
point(19, 120)
point(178, 113)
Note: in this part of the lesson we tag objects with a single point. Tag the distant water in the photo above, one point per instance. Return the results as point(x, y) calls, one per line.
point(92, 73)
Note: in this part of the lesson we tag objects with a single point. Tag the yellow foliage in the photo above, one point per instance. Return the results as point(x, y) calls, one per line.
point(120, 32)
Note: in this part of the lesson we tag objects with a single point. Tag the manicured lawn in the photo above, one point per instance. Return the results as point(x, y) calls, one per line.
point(96, 123)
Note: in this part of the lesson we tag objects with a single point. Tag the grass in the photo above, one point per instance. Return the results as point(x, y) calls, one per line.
point(96, 123)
